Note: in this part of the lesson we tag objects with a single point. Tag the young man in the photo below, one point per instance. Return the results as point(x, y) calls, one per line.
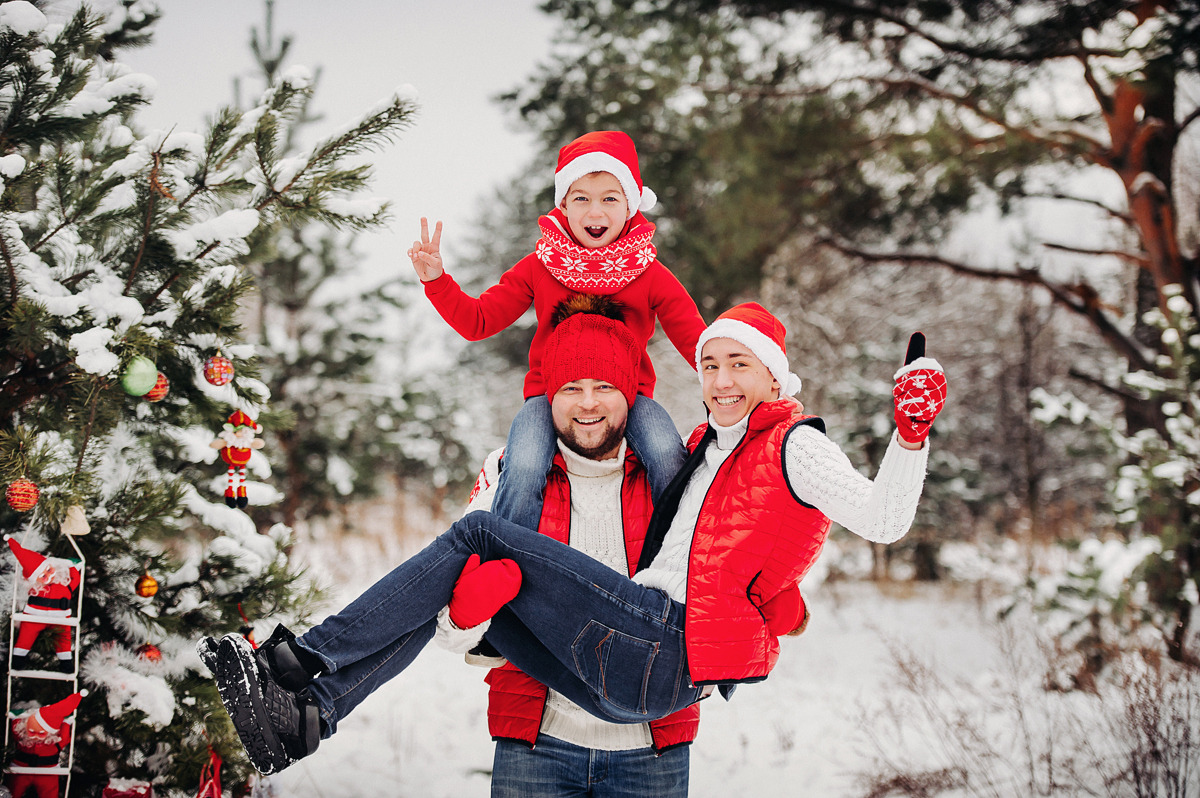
point(736, 530)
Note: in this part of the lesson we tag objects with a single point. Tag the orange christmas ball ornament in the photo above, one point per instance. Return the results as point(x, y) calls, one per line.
point(149, 651)
point(161, 386)
point(22, 495)
point(146, 586)
point(218, 370)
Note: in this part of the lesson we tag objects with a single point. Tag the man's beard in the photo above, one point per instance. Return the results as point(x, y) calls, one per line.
point(608, 444)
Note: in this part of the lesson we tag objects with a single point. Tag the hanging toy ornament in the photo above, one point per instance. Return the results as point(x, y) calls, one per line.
point(22, 495)
point(149, 652)
point(139, 376)
point(218, 370)
point(42, 734)
point(146, 585)
point(161, 386)
point(236, 442)
point(53, 583)
point(75, 523)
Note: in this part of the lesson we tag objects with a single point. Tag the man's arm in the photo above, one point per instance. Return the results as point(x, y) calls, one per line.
point(882, 509)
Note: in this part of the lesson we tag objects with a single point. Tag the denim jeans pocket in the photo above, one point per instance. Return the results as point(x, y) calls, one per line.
point(616, 666)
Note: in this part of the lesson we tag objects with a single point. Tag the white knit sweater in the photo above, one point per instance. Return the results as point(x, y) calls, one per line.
point(819, 472)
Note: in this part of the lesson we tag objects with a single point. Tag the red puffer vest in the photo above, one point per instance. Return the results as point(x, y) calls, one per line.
point(753, 539)
point(516, 701)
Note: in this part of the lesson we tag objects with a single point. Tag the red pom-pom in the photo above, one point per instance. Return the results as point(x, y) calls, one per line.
point(22, 495)
point(149, 651)
point(161, 386)
point(218, 370)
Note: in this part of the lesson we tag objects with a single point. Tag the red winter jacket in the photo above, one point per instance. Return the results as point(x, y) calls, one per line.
point(655, 293)
point(754, 538)
point(516, 701)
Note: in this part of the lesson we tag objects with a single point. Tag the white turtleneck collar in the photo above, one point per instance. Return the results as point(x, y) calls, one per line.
point(729, 437)
point(580, 466)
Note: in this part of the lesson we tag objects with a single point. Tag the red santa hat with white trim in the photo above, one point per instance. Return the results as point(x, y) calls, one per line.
point(35, 565)
point(603, 151)
point(753, 326)
point(53, 716)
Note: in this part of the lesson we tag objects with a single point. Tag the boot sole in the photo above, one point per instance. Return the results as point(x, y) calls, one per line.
point(237, 682)
point(207, 649)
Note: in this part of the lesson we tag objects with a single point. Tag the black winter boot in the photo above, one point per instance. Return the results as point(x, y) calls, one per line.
point(277, 726)
point(291, 666)
point(207, 649)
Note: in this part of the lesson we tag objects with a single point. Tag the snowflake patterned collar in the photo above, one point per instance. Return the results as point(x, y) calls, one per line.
point(604, 270)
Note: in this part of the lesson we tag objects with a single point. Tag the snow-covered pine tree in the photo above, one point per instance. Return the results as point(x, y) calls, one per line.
point(332, 344)
point(118, 244)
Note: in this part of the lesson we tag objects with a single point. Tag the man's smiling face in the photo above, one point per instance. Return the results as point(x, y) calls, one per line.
point(589, 417)
point(734, 380)
point(596, 209)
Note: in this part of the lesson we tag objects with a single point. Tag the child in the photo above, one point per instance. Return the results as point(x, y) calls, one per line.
point(596, 241)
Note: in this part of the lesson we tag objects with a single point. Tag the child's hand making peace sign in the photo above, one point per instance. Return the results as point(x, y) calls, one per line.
point(426, 254)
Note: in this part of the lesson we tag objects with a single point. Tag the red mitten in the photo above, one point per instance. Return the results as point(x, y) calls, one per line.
point(786, 613)
point(482, 589)
point(920, 392)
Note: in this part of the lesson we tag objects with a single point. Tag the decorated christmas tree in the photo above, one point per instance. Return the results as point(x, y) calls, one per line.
point(334, 341)
point(130, 403)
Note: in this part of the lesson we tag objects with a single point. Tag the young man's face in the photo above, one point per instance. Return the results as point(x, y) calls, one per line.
point(596, 209)
point(734, 380)
point(589, 417)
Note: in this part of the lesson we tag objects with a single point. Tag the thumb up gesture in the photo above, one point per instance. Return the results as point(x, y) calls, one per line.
point(919, 394)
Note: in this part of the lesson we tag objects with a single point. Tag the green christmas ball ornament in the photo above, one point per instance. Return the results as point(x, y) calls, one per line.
point(140, 376)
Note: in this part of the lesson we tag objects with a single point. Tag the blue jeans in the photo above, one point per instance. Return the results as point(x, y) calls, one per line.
point(557, 769)
point(612, 646)
point(532, 444)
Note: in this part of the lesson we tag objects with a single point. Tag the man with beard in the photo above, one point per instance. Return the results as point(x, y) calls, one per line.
point(597, 501)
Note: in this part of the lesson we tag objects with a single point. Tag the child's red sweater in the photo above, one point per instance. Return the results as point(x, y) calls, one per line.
point(655, 293)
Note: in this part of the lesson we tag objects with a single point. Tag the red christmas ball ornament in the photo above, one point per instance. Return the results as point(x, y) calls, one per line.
point(22, 495)
point(218, 370)
point(146, 585)
point(161, 386)
point(149, 651)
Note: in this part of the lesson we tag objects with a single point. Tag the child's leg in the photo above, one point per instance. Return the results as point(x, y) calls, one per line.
point(651, 434)
point(528, 455)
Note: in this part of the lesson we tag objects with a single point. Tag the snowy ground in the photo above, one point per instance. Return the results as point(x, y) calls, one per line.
point(799, 733)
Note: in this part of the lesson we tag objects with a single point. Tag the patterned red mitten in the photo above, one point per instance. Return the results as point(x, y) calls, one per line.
point(482, 589)
point(920, 392)
point(786, 613)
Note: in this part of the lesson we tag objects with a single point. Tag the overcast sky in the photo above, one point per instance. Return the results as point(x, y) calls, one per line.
point(458, 54)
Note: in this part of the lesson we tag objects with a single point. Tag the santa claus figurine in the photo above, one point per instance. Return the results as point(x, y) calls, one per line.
point(236, 441)
point(41, 734)
point(51, 583)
